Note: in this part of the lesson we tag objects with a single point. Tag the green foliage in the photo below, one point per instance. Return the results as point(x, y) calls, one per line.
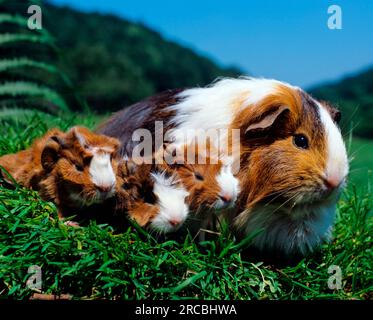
point(96, 262)
point(28, 75)
point(360, 152)
point(354, 96)
point(19, 127)
point(7, 64)
point(114, 62)
point(31, 89)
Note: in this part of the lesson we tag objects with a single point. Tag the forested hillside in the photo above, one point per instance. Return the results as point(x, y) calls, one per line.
point(354, 96)
point(113, 62)
point(110, 62)
point(135, 61)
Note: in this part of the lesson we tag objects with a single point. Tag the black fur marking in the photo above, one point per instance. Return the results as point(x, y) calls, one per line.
point(311, 115)
point(140, 115)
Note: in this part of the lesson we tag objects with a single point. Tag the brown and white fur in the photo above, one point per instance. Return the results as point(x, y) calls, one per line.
point(288, 191)
point(207, 177)
point(210, 182)
point(72, 169)
point(159, 196)
point(152, 197)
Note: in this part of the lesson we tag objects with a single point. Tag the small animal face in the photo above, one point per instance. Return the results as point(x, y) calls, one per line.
point(209, 185)
point(300, 160)
point(207, 177)
point(151, 197)
point(171, 200)
point(82, 165)
point(293, 167)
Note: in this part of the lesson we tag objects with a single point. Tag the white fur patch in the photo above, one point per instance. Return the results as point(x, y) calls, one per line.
point(229, 186)
point(298, 232)
point(101, 170)
point(215, 106)
point(79, 136)
point(337, 161)
point(171, 200)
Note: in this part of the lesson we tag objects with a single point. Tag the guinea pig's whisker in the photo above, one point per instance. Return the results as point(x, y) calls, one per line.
point(189, 218)
point(285, 202)
point(347, 134)
point(355, 169)
point(198, 210)
point(211, 206)
point(349, 119)
point(351, 156)
point(281, 193)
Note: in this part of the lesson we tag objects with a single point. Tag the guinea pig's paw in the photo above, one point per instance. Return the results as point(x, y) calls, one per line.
point(70, 223)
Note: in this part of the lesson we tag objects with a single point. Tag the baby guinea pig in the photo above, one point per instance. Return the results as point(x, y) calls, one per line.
point(152, 197)
point(24, 166)
point(210, 181)
point(72, 169)
point(78, 169)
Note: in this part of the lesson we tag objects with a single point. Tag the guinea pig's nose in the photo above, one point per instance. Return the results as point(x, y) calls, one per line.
point(174, 222)
point(104, 188)
point(226, 198)
point(332, 183)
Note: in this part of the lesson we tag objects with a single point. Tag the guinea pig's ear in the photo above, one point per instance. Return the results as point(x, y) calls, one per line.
point(267, 120)
point(130, 166)
point(174, 156)
point(50, 153)
point(115, 144)
point(333, 111)
point(79, 134)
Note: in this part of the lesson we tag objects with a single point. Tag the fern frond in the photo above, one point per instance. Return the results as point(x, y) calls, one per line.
point(7, 64)
point(23, 88)
point(20, 21)
point(8, 38)
point(14, 19)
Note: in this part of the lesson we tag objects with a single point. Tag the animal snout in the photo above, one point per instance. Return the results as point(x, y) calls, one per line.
point(226, 198)
point(175, 222)
point(332, 183)
point(104, 188)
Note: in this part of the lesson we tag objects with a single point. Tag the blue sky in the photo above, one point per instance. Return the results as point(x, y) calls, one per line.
point(288, 40)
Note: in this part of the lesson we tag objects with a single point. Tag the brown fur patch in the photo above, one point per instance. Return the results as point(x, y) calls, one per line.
point(134, 196)
point(198, 173)
point(273, 169)
point(57, 166)
point(140, 115)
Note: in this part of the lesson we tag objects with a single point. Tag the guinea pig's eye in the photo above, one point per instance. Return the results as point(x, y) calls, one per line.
point(79, 167)
point(300, 141)
point(126, 186)
point(198, 176)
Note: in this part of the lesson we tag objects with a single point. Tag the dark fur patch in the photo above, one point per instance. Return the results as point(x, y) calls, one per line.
point(311, 117)
point(140, 115)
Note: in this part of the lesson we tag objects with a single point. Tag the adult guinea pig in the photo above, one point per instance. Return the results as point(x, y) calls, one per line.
point(292, 160)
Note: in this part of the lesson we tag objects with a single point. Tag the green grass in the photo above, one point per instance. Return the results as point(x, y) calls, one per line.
point(95, 262)
point(361, 163)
